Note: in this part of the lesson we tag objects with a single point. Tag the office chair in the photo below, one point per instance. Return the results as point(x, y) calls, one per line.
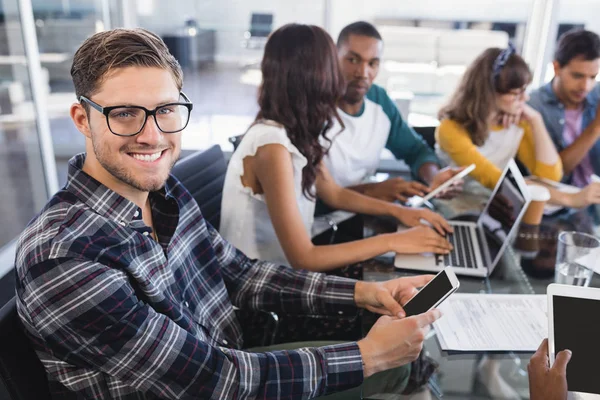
point(255, 38)
point(236, 140)
point(427, 133)
point(261, 25)
point(22, 375)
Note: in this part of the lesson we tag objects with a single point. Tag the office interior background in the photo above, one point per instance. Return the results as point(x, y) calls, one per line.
point(428, 45)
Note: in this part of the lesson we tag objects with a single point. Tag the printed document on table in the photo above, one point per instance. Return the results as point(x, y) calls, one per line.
point(492, 322)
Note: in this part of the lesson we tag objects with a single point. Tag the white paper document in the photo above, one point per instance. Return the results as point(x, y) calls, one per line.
point(492, 322)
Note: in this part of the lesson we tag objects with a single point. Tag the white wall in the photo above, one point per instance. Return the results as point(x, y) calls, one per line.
point(580, 11)
point(230, 18)
point(346, 11)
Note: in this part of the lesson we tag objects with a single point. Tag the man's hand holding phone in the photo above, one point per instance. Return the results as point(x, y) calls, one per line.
point(394, 341)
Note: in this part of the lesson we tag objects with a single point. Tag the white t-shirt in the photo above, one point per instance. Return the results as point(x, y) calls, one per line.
point(355, 152)
point(245, 220)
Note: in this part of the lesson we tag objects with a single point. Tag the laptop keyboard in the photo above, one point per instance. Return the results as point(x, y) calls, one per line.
point(463, 255)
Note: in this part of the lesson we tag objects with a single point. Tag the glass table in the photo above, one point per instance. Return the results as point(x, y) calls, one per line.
point(485, 376)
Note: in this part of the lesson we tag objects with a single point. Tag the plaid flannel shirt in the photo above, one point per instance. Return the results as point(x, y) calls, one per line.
point(114, 314)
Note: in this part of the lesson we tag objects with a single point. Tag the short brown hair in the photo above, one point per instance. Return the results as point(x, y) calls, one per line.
point(119, 48)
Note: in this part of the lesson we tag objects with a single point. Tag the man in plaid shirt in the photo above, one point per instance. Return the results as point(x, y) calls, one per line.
point(127, 293)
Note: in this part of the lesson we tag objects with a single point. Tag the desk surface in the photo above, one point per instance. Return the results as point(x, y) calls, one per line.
point(477, 376)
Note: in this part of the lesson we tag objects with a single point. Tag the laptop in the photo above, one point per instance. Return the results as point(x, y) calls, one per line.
point(478, 246)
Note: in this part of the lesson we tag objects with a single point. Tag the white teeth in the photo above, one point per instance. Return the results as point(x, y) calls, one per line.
point(147, 157)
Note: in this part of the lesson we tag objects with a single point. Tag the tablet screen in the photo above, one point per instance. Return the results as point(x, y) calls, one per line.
point(501, 214)
point(577, 328)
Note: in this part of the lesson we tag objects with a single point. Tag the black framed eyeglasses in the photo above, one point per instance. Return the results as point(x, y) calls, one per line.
point(130, 120)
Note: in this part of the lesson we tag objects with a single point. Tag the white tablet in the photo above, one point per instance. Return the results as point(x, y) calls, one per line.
point(574, 324)
point(417, 201)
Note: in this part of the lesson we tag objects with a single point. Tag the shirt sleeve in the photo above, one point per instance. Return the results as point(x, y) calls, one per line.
point(455, 141)
point(89, 316)
point(261, 285)
point(526, 154)
point(404, 142)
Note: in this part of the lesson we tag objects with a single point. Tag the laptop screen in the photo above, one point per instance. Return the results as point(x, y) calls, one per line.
point(502, 212)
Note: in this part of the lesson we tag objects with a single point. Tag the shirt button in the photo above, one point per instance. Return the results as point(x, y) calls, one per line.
point(136, 214)
point(187, 304)
point(146, 233)
point(561, 121)
point(340, 312)
point(123, 223)
point(225, 342)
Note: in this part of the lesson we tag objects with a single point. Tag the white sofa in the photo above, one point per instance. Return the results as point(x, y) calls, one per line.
point(431, 61)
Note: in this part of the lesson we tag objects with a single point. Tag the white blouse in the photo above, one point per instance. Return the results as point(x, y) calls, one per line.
point(245, 220)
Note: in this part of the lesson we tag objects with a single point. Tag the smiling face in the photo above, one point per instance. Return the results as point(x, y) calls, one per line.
point(140, 163)
point(359, 58)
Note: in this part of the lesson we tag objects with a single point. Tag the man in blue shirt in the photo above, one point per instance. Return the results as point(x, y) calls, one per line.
point(569, 106)
point(371, 122)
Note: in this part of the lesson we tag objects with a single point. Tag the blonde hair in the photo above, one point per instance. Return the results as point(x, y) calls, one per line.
point(475, 98)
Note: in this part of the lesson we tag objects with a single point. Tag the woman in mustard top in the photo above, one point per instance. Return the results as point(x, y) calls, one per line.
point(487, 121)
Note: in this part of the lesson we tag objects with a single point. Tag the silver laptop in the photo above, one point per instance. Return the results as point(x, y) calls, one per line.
point(478, 246)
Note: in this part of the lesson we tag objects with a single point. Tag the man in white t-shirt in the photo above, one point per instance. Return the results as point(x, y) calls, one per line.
point(372, 121)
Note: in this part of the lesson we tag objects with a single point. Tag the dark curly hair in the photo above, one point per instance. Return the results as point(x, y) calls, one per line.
point(301, 85)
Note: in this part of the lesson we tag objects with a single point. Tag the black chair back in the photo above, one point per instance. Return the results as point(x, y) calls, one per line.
point(236, 140)
point(427, 133)
point(22, 374)
point(203, 175)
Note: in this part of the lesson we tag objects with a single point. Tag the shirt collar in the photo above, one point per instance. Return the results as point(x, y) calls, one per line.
point(103, 200)
point(548, 95)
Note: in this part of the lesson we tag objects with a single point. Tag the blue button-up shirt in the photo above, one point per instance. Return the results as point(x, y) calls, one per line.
point(545, 101)
point(113, 314)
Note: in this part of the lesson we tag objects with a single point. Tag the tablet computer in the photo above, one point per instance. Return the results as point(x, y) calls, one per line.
point(417, 201)
point(574, 324)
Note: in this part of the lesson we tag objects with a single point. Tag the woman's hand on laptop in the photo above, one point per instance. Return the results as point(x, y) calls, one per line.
point(420, 239)
point(421, 216)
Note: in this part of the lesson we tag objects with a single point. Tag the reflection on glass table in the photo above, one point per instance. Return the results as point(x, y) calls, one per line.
point(485, 375)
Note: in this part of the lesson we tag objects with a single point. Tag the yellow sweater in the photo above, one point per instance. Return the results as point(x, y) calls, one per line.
point(455, 141)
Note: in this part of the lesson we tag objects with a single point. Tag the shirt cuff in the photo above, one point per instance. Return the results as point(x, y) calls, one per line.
point(338, 297)
point(343, 366)
point(552, 172)
point(423, 159)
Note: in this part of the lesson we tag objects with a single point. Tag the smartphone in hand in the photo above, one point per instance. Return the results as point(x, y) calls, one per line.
point(431, 295)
